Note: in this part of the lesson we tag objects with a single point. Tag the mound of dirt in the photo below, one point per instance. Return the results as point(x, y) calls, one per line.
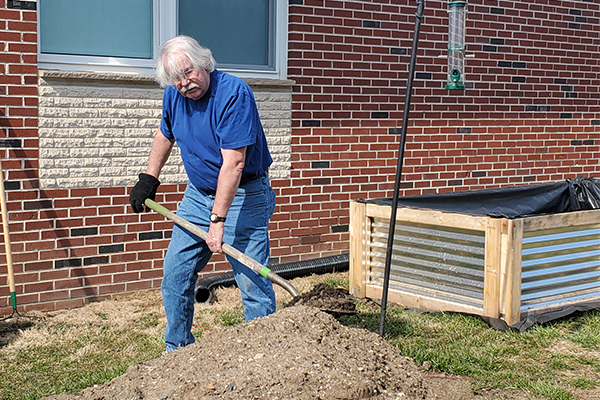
point(301, 352)
point(298, 353)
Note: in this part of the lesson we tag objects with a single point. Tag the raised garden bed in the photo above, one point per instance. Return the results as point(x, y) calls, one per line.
point(510, 254)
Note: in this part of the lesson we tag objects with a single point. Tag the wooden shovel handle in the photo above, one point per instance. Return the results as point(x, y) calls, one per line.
point(227, 249)
point(9, 263)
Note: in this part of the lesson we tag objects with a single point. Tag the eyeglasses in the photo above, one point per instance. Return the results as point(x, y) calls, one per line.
point(183, 75)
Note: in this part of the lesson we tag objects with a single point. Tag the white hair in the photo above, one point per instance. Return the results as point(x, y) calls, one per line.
point(166, 65)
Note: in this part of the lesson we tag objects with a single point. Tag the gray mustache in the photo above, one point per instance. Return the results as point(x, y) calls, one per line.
point(189, 87)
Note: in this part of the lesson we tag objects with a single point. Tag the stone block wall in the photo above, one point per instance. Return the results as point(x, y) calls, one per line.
point(96, 130)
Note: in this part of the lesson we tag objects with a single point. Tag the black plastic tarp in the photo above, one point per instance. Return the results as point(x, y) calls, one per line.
point(511, 202)
point(530, 320)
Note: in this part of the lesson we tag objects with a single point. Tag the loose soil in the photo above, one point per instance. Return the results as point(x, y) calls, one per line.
point(300, 352)
point(335, 301)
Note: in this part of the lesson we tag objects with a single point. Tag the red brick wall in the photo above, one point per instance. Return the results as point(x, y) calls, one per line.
point(18, 132)
point(529, 114)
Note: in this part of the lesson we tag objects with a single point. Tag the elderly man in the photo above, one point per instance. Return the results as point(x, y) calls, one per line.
point(214, 120)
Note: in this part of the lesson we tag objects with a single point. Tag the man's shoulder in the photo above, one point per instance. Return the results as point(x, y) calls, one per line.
point(170, 92)
point(226, 77)
point(231, 82)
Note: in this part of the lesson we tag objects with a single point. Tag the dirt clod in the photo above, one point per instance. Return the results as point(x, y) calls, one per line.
point(335, 301)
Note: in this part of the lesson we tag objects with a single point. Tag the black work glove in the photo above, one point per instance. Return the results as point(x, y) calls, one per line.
point(144, 189)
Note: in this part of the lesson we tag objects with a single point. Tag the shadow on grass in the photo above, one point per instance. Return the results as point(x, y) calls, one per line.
point(10, 329)
point(395, 325)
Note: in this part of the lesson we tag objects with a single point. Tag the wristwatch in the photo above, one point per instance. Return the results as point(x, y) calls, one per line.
point(215, 218)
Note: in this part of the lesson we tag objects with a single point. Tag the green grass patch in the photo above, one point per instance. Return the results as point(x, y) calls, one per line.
point(541, 360)
point(73, 362)
point(335, 281)
point(232, 318)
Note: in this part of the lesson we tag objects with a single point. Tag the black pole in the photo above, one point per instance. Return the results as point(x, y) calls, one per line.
point(390, 243)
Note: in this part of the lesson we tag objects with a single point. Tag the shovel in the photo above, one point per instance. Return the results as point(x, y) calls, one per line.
point(227, 249)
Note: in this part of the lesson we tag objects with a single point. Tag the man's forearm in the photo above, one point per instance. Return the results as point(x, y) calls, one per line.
point(161, 149)
point(228, 183)
point(229, 180)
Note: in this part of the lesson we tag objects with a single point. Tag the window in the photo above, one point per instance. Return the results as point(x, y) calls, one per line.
point(239, 32)
point(248, 39)
point(97, 29)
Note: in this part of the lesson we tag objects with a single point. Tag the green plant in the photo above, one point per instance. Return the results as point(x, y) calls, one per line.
point(77, 357)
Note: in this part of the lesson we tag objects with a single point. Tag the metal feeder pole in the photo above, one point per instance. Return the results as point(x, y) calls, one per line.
point(390, 244)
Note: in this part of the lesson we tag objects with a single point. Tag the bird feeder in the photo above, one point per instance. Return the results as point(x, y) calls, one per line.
point(457, 11)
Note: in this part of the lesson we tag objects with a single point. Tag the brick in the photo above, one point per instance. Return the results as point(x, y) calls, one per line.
point(11, 143)
point(95, 260)
point(21, 5)
point(115, 248)
point(107, 289)
point(126, 277)
point(139, 285)
point(36, 266)
point(66, 263)
point(84, 231)
point(150, 235)
point(38, 287)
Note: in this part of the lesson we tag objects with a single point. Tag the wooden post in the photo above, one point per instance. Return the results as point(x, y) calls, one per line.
point(512, 292)
point(492, 265)
point(359, 238)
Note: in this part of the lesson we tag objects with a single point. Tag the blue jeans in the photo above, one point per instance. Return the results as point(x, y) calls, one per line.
point(245, 229)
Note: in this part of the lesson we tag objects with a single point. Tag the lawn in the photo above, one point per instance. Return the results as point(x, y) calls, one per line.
point(66, 351)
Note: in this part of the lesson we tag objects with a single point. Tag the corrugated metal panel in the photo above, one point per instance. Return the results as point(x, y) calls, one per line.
point(560, 265)
point(435, 261)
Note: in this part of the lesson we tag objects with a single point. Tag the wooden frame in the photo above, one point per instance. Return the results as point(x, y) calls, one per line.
point(502, 267)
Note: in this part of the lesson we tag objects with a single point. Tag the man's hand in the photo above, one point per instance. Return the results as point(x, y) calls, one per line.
point(144, 189)
point(215, 237)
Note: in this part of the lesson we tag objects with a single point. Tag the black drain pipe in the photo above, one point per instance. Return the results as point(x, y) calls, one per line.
point(204, 287)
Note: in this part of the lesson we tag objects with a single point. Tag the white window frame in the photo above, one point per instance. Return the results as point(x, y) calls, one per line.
point(165, 27)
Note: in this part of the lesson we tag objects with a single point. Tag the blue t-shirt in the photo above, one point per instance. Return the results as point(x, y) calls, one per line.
point(226, 117)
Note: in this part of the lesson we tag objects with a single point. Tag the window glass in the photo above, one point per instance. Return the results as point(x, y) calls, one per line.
point(238, 32)
point(113, 28)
